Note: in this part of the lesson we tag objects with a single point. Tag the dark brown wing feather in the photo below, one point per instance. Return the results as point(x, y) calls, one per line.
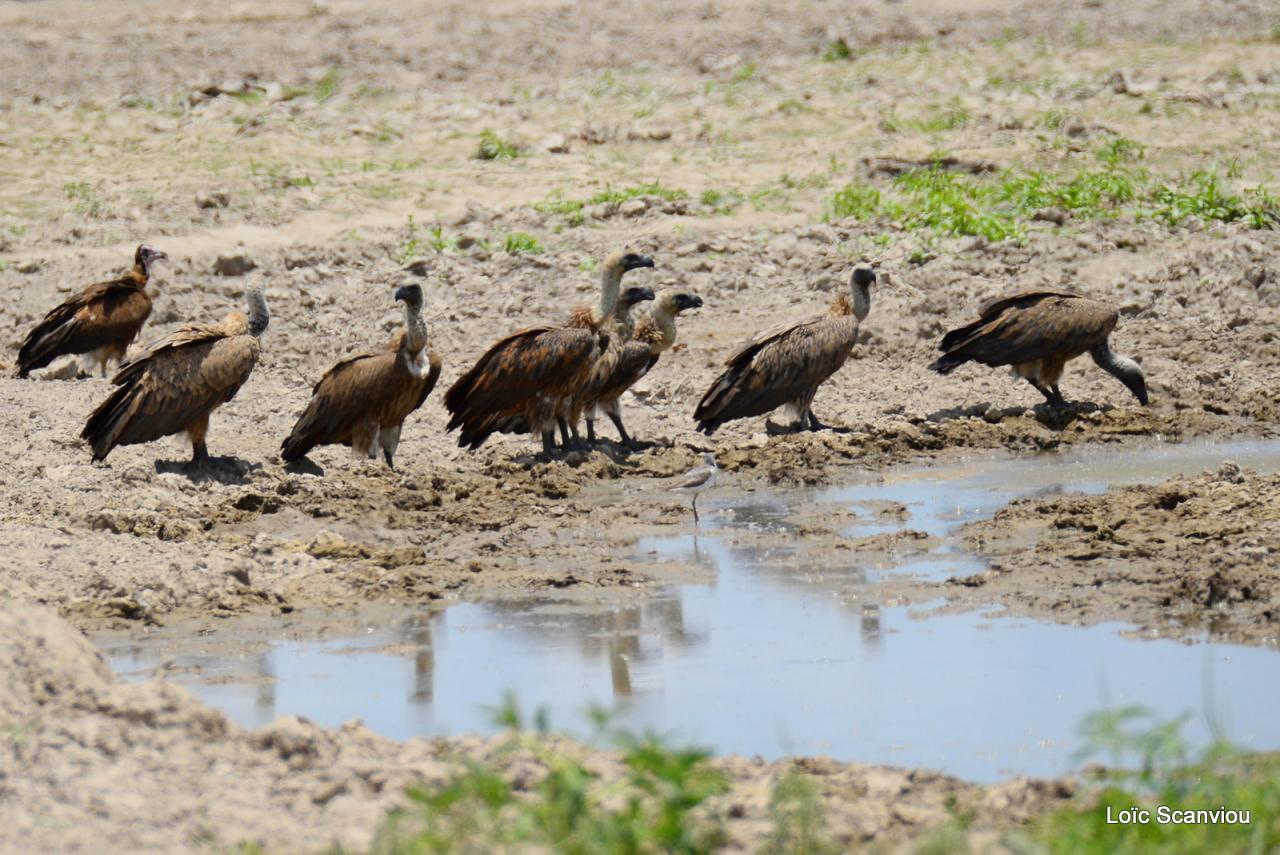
point(173, 384)
point(634, 362)
point(1027, 327)
point(778, 365)
point(108, 313)
point(534, 361)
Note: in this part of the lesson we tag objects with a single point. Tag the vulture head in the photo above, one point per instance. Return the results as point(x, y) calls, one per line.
point(410, 294)
point(146, 255)
point(621, 260)
point(632, 296)
point(1123, 369)
point(860, 282)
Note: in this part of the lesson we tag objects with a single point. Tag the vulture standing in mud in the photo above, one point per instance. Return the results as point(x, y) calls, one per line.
point(363, 401)
point(1037, 333)
point(176, 383)
point(525, 380)
point(786, 363)
point(101, 320)
point(654, 333)
point(624, 327)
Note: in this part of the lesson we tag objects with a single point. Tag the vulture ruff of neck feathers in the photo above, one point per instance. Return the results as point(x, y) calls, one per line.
point(653, 334)
point(1037, 333)
point(785, 364)
point(102, 320)
point(524, 380)
point(176, 383)
point(362, 401)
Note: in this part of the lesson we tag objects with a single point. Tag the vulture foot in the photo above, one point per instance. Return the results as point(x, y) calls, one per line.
point(772, 428)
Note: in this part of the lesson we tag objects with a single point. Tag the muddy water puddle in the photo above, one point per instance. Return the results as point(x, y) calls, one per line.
point(779, 654)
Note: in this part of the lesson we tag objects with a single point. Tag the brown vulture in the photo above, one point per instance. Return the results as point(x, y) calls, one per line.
point(102, 320)
point(524, 381)
point(786, 363)
point(363, 400)
point(624, 327)
point(1037, 333)
point(654, 333)
point(176, 383)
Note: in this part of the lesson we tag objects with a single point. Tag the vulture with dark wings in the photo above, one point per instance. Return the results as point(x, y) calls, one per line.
point(363, 400)
point(176, 383)
point(101, 320)
point(1036, 333)
point(785, 364)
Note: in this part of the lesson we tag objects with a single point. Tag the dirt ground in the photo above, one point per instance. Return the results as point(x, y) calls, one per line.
point(330, 148)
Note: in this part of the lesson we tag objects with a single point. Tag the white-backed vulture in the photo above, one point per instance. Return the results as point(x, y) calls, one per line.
point(523, 381)
point(1037, 333)
point(363, 400)
point(654, 333)
point(624, 326)
point(102, 320)
point(177, 382)
point(786, 363)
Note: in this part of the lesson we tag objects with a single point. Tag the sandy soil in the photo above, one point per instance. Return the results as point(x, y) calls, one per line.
point(302, 139)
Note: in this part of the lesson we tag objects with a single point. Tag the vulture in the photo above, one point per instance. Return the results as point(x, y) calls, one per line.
point(654, 333)
point(1037, 333)
point(786, 363)
point(176, 383)
point(624, 327)
point(363, 400)
point(525, 381)
point(101, 320)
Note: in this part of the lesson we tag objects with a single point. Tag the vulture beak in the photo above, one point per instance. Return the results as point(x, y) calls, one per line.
point(159, 255)
point(688, 301)
point(864, 277)
point(634, 262)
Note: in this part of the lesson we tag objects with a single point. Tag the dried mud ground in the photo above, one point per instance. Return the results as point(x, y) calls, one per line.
point(320, 149)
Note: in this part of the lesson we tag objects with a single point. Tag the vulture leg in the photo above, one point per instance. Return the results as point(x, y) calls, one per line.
point(622, 431)
point(390, 439)
point(772, 428)
point(549, 443)
point(564, 433)
point(591, 432)
point(196, 433)
point(199, 453)
point(814, 424)
point(1044, 390)
point(1058, 399)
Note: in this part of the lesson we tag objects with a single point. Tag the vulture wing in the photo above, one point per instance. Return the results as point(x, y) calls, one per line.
point(1028, 327)
point(778, 365)
point(635, 361)
point(520, 366)
point(102, 314)
point(350, 392)
point(173, 384)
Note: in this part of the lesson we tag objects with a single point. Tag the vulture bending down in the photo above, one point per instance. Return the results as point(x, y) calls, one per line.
point(1037, 333)
point(103, 319)
point(363, 401)
point(654, 333)
point(786, 363)
point(527, 379)
point(176, 383)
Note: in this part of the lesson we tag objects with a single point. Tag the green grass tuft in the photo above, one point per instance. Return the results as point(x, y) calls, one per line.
point(493, 147)
point(522, 243)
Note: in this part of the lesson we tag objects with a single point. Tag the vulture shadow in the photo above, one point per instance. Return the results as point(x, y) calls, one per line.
point(1054, 417)
point(222, 470)
point(304, 466)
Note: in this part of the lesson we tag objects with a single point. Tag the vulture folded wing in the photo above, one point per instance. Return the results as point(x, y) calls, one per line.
point(1034, 327)
point(350, 392)
point(634, 362)
point(102, 314)
point(171, 385)
point(515, 369)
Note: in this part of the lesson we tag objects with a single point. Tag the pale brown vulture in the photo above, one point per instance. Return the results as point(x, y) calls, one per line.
point(654, 333)
point(176, 383)
point(523, 381)
point(1037, 333)
point(786, 363)
point(363, 400)
point(624, 326)
point(102, 320)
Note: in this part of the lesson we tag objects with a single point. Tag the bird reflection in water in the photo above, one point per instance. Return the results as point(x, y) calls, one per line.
point(419, 631)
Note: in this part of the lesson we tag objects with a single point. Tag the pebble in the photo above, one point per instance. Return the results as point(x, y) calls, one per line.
point(233, 265)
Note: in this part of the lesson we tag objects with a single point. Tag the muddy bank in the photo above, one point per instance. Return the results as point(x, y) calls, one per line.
point(91, 763)
point(1183, 558)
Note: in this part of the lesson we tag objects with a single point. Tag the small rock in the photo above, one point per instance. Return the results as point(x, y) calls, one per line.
point(633, 207)
point(555, 144)
point(1057, 216)
point(31, 265)
point(1075, 127)
point(419, 267)
point(659, 134)
point(213, 199)
point(233, 265)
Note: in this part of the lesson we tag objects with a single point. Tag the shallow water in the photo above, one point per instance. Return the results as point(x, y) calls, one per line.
point(773, 657)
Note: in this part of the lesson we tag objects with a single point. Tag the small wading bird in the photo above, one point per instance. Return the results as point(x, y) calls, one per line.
point(654, 334)
point(786, 363)
point(699, 479)
point(176, 383)
point(102, 320)
point(524, 381)
point(363, 400)
point(1037, 333)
